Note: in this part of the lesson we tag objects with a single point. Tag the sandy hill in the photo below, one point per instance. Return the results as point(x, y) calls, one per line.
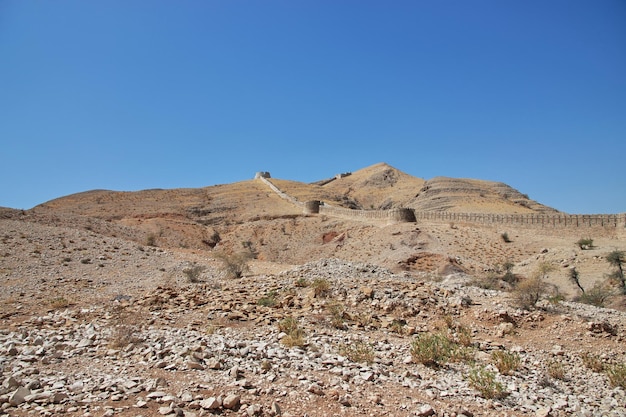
point(227, 216)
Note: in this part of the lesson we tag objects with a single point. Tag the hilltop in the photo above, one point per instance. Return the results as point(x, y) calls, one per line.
point(101, 315)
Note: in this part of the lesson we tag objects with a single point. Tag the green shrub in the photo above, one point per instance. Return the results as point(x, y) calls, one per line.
point(358, 351)
point(235, 264)
point(321, 287)
point(59, 302)
point(295, 335)
point(528, 292)
point(337, 312)
point(556, 370)
point(593, 362)
point(302, 282)
point(617, 375)
point(485, 382)
point(506, 362)
point(596, 296)
point(585, 243)
point(193, 273)
point(432, 349)
point(268, 300)
point(463, 336)
point(398, 326)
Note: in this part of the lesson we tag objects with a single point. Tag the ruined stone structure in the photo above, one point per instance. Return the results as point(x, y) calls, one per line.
point(400, 215)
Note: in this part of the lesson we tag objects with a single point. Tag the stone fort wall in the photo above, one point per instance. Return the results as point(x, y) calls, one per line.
point(411, 215)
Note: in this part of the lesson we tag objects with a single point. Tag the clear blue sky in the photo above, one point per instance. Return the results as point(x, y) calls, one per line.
point(128, 95)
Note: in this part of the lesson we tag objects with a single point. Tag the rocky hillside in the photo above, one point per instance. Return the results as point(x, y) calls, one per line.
point(95, 325)
point(120, 303)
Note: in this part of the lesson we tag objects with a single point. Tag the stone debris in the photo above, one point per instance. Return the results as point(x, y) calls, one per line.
point(199, 350)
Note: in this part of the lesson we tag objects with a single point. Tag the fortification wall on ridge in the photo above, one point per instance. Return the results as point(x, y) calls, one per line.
point(411, 215)
point(392, 215)
point(278, 191)
point(530, 220)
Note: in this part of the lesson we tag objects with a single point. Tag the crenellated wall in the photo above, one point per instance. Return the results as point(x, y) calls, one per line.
point(532, 220)
point(399, 215)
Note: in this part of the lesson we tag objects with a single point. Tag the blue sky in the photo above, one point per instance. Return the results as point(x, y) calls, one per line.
point(129, 95)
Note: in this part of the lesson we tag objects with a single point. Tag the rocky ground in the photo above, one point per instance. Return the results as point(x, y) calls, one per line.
point(94, 325)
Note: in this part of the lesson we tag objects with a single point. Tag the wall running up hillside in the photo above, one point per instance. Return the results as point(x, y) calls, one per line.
point(411, 215)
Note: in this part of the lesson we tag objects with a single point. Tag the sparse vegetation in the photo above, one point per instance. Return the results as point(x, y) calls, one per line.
point(529, 291)
point(302, 282)
point(193, 272)
point(337, 311)
point(617, 258)
point(436, 349)
point(59, 303)
point(574, 277)
point(321, 287)
point(585, 243)
point(235, 264)
point(596, 296)
point(506, 362)
point(556, 370)
point(593, 362)
point(505, 237)
point(617, 375)
point(358, 351)
point(508, 273)
point(269, 299)
point(485, 382)
point(151, 240)
point(294, 334)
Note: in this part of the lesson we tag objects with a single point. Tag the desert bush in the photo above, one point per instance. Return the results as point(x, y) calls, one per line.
point(593, 362)
point(398, 326)
point(508, 275)
point(294, 334)
point(574, 277)
point(358, 351)
point(617, 375)
point(193, 273)
point(487, 282)
point(556, 370)
point(528, 292)
point(596, 296)
point(268, 300)
point(505, 237)
point(59, 302)
point(485, 382)
point(363, 319)
point(235, 264)
point(288, 324)
point(151, 240)
point(585, 243)
point(463, 336)
point(506, 362)
point(337, 311)
point(321, 287)
point(617, 258)
point(432, 349)
point(302, 282)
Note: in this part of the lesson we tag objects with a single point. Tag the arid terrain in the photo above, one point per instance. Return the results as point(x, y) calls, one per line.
point(121, 304)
